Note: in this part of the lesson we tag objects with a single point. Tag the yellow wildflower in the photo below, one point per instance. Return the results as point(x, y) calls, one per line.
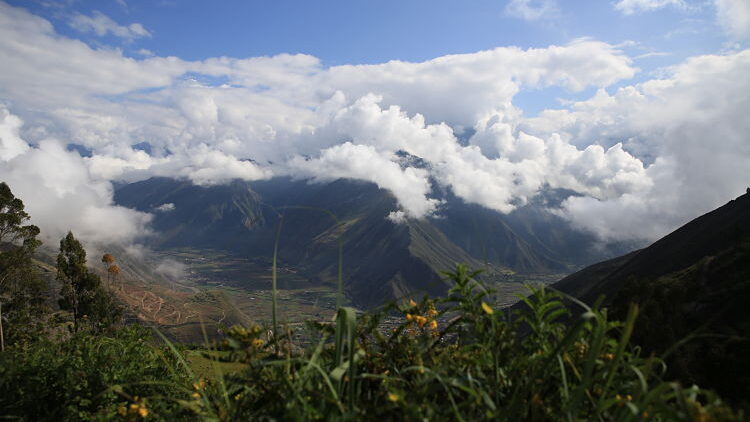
point(487, 308)
point(257, 342)
point(393, 397)
point(432, 312)
point(143, 412)
point(421, 321)
point(122, 410)
point(433, 324)
point(196, 395)
point(409, 317)
point(412, 303)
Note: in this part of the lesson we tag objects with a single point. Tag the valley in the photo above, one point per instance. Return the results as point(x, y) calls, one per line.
point(220, 289)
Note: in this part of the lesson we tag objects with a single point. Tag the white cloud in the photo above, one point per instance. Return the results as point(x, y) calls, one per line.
point(691, 125)
point(630, 7)
point(458, 88)
point(734, 16)
point(101, 25)
point(652, 54)
point(644, 157)
point(410, 186)
point(532, 10)
point(11, 144)
point(172, 269)
point(165, 207)
point(397, 217)
point(61, 195)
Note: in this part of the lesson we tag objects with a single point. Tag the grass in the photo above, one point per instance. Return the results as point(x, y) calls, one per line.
point(451, 358)
point(456, 357)
point(212, 364)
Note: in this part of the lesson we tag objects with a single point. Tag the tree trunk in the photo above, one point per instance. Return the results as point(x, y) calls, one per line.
point(2, 339)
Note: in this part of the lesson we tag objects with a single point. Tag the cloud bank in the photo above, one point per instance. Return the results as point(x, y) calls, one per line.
point(629, 7)
point(643, 158)
point(734, 16)
point(101, 25)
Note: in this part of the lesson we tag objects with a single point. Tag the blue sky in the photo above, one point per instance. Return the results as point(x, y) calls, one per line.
point(639, 106)
point(357, 32)
point(367, 32)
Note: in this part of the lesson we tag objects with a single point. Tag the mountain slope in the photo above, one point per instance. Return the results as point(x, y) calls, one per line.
point(382, 260)
point(693, 283)
point(705, 236)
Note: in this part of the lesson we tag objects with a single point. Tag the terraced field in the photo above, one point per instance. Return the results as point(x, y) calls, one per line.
point(207, 290)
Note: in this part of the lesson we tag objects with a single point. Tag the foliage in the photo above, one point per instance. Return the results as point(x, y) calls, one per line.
point(21, 290)
point(90, 377)
point(82, 291)
point(697, 318)
point(456, 358)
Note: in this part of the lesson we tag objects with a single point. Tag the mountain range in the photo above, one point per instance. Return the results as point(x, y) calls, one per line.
point(382, 260)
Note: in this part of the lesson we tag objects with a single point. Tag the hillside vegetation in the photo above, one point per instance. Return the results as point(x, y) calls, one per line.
point(693, 287)
point(451, 357)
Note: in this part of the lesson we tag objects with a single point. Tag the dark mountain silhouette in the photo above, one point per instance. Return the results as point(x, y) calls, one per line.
point(692, 284)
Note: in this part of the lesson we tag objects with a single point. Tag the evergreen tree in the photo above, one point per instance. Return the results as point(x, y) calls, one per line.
point(82, 292)
point(21, 290)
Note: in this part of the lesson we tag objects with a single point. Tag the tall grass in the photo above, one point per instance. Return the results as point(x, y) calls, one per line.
point(456, 358)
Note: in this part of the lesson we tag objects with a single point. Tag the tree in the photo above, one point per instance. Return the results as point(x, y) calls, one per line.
point(112, 269)
point(20, 289)
point(112, 272)
point(82, 292)
point(108, 259)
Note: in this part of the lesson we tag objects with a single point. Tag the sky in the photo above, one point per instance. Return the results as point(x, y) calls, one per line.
point(638, 106)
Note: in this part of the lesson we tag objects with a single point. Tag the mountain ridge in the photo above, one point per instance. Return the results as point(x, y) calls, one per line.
point(382, 260)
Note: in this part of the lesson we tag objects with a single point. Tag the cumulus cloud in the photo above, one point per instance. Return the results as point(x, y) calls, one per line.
point(11, 144)
point(101, 25)
point(457, 88)
point(165, 207)
point(61, 195)
point(734, 16)
point(531, 10)
point(689, 126)
point(642, 158)
point(630, 7)
point(410, 186)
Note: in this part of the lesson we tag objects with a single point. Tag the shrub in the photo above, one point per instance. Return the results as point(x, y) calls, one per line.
point(88, 377)
point(454, 358)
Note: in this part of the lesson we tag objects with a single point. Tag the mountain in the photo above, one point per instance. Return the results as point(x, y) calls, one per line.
point(708, 235)
point(382, 260)
point(693, 282)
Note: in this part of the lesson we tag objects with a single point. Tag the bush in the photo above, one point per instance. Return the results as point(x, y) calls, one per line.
point(454, 358)
point(88, 377)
